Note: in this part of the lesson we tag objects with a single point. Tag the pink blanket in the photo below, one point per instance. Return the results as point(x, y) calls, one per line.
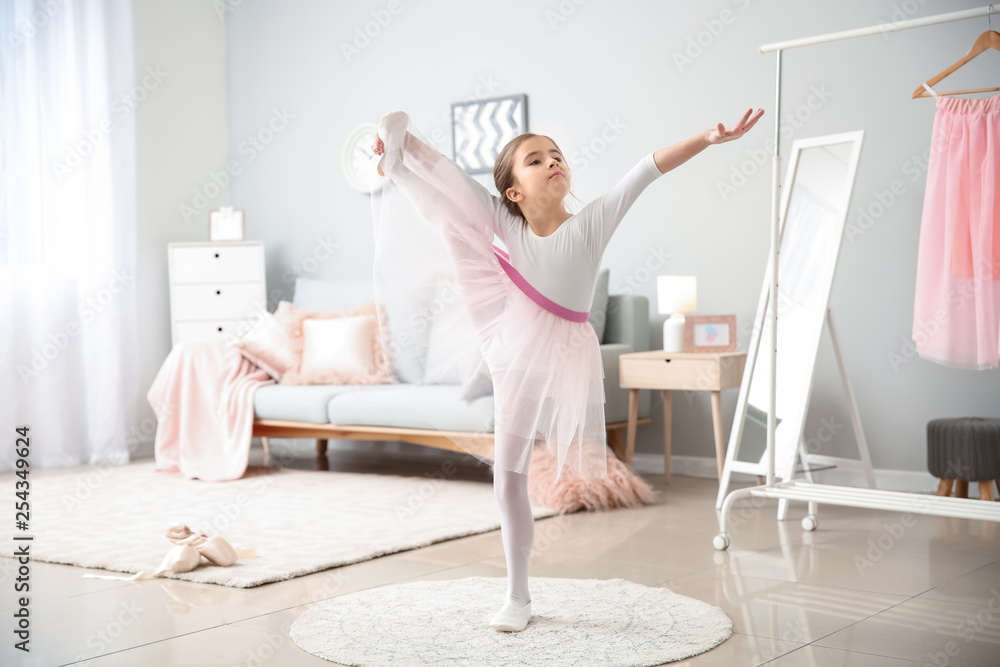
point(203, 398)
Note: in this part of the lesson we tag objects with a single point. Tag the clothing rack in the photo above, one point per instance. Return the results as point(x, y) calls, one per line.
point(811, 492)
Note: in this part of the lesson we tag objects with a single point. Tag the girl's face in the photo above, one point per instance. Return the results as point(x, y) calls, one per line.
point(541, 177)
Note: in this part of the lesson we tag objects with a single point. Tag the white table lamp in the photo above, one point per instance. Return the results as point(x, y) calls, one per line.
point(675, 295)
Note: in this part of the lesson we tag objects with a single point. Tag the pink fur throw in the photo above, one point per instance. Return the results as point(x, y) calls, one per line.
point(622, 488)
point(378, 373)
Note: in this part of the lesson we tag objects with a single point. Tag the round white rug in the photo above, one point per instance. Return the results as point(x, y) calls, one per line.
point(574, 622)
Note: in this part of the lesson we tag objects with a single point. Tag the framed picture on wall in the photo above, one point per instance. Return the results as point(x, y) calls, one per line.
point(225, 224)
point(481, 128)
point(710, 333)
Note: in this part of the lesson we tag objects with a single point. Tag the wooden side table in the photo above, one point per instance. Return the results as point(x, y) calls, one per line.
point(668, 371)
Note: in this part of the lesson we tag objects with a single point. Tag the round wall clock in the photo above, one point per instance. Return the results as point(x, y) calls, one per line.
point(359, 159)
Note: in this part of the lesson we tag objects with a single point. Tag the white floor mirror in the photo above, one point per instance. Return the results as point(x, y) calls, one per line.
point(814, 204)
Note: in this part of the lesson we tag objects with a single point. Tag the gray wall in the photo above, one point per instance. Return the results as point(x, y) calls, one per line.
point(587, 67)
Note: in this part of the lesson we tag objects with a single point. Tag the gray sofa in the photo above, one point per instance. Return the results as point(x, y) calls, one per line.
point(427, 414)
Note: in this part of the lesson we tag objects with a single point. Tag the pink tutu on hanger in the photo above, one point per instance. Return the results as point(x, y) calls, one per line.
point(956, 314)
point(434, 234)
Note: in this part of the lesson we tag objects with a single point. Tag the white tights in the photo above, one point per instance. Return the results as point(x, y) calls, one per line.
point(517, 529)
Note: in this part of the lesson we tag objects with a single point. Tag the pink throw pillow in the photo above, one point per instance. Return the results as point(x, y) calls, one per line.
point(268, 345)
point(380, 371)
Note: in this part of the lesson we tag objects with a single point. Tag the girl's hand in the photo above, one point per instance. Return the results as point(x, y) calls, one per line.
point(721, 134)
point(378, 147)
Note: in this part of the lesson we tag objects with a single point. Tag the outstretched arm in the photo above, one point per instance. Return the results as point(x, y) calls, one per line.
point(676, 155)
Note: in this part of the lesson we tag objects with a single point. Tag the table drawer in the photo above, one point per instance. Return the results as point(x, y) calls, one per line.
point(213, 264)
point(700, 374)
point(214, 302)
point(185, 331)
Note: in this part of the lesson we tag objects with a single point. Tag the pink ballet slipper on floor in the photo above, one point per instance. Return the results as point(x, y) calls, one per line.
point(181, 558)
point(215, 549)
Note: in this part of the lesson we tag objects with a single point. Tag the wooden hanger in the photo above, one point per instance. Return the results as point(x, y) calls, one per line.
point(988, 40)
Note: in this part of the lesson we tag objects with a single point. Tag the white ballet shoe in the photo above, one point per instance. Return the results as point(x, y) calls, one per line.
point(181, 558)
point(215, 549)
point(391, 123)
point(512, 618)
point(181, 534)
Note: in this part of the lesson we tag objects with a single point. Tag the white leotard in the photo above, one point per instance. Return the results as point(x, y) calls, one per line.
point(563, 266)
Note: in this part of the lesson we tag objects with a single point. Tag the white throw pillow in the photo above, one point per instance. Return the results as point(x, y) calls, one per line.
point(338, 345)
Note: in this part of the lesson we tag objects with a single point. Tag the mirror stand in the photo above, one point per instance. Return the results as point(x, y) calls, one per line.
point(809, 461)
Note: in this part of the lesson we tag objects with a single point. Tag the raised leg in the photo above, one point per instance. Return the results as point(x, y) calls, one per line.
point(266, 444)
point(321, 446)
point(985, 489)
point(961, 488)
point(944, 488)
point(667, 425)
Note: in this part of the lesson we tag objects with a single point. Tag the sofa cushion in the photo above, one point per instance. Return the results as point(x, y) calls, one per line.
point(268, 345)
point(304, 403)
point(427, 406)
point(407, 346)
point(599, 307)
point(339, 347)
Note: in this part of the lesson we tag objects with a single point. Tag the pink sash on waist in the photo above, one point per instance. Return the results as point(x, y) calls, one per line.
point(536, 296)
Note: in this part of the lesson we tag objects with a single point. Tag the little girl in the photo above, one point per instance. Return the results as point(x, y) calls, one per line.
point(529, 305)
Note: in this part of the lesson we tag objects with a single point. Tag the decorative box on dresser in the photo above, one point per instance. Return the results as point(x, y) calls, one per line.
point(214, 288)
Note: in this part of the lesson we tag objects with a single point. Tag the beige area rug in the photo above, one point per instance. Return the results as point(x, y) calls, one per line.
point(115, 518)
point(612, 622)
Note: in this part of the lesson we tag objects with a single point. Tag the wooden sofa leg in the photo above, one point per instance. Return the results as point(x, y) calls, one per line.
point(321, 446)
point(266, 444)
point(616, 442)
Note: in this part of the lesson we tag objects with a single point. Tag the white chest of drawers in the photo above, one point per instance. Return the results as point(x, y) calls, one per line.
point(215, 288)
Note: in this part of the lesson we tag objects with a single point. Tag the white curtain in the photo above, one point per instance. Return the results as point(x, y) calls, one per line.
point(68, 352)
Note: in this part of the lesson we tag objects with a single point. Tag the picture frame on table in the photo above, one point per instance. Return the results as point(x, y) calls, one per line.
point(481, 128)
point(226, 224)
point(710, 333)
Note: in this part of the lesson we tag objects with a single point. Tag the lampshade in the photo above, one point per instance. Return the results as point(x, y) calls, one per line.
point(676, 294)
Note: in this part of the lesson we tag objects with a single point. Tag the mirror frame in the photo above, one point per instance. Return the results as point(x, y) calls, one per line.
point(788, 433)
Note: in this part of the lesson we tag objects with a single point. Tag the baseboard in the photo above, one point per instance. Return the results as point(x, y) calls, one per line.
point(642, 462)
point(698, 466)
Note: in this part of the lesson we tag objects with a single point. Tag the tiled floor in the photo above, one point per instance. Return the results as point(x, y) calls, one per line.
point(867, 588)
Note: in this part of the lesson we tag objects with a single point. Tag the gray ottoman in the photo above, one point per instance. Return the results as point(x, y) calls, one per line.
point(964, 450)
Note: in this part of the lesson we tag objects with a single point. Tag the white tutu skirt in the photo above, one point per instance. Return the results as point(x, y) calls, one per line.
point(434, 227)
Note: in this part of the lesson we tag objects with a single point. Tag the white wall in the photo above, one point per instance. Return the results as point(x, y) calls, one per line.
point(181, 140)
point(585, 66)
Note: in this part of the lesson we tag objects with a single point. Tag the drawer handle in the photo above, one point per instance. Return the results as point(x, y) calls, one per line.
point(218, 291)
point(220, 328)
point(668, 360)
point(216, 254)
